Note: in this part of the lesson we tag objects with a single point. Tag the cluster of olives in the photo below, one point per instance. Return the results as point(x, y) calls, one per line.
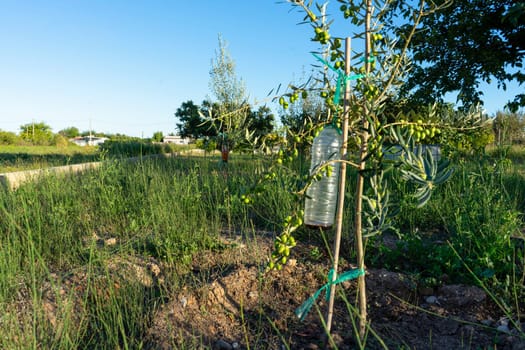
point(321, 35)
point(326, 170)
point(375, 145)
point(288, 156)
point(336, 54)
point(270, 176)
point(348, 11)
point(283, 102)
point(292, 97)
point(371, 92)
point(420, 131)
point(246, 199)
point(285, 242)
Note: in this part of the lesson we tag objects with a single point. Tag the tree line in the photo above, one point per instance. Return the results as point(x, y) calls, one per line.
point(41, 134)
point(455, 50)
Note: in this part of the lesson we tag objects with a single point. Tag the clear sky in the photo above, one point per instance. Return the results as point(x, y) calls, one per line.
point(125, 66)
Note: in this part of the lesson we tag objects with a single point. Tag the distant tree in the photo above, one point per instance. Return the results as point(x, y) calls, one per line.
point(157, 136)
point(60, 140)
point(462, 45)
point(37, 133)
point(308, 109)
point(93, 133)
point(70, 132)
point(231, 103)
point(509, 128)
point(299, 118)
point(262, 121)
point(9, 138)
point(192, 122)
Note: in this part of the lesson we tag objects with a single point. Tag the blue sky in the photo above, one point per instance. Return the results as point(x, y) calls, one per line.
point(125, 66)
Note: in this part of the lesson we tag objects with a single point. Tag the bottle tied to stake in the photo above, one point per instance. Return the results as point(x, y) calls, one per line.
point(321, 196)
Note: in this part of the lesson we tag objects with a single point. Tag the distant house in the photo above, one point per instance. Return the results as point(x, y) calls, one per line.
point(88, 140)
point(176, 139)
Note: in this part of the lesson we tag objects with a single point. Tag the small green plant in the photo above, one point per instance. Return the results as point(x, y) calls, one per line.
point(477, 219)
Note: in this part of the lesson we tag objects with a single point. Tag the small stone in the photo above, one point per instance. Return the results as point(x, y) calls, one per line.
point(504, 321)
point(487, 322)
point(253, 295)
point(235, 345)
point(431, 299)
point(110, 242)
point(183, 302)
point(222, 345)
point(154, 268)
point(503, 328)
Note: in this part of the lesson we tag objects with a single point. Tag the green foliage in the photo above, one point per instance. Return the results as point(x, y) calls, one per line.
point(203, 124)
point(465, 43)
point(224, 84)
point(37, 133)
point(17, 158)
point(509, 128)
point(207, 144)
point(482, 223)
point(261, 124)
point(232, 110)
point(158, 136)
point(378, 74)
point(458, 132)
point(60, 141)
point(133, 148)
point(70, 132)
point(229, 120)
point(170, 209)
point(192, 121)
point(9, 138)
point(473, 215)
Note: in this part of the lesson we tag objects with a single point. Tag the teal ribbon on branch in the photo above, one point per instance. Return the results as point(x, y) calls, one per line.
point(342, 79)
point(305, 307)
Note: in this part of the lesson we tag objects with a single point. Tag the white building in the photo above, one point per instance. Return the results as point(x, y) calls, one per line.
point(176, 139)
point(88, 140)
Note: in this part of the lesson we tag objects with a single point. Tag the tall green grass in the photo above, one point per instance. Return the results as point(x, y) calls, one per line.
point(168, 209)
point(470, 231)
point(164, 209)
point(17, 158)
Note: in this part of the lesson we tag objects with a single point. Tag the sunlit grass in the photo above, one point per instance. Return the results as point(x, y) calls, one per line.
point(170, 209)
point(16, 158)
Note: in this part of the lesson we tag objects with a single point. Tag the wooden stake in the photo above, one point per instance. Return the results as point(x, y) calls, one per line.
point(341, 197)
point(359, 187)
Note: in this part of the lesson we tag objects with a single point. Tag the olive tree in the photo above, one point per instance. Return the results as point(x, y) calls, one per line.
point(232, 110)
point(368, 79)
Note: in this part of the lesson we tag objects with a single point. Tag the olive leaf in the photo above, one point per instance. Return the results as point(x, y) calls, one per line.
point(425, 171)
point(379, 210)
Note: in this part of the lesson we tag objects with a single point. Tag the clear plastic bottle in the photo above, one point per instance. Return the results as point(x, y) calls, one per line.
point(321, 196)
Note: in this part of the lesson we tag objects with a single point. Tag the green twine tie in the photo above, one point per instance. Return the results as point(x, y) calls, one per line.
point(305, 307)
point(342, 79)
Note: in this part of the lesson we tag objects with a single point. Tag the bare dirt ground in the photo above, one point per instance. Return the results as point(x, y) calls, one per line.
point(232, 304)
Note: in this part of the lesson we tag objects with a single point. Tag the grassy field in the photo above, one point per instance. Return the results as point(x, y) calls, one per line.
point(15, 158)
point(69, 244)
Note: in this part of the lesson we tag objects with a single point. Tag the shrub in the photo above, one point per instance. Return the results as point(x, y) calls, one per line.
point(133, 148)
point(9, 138)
